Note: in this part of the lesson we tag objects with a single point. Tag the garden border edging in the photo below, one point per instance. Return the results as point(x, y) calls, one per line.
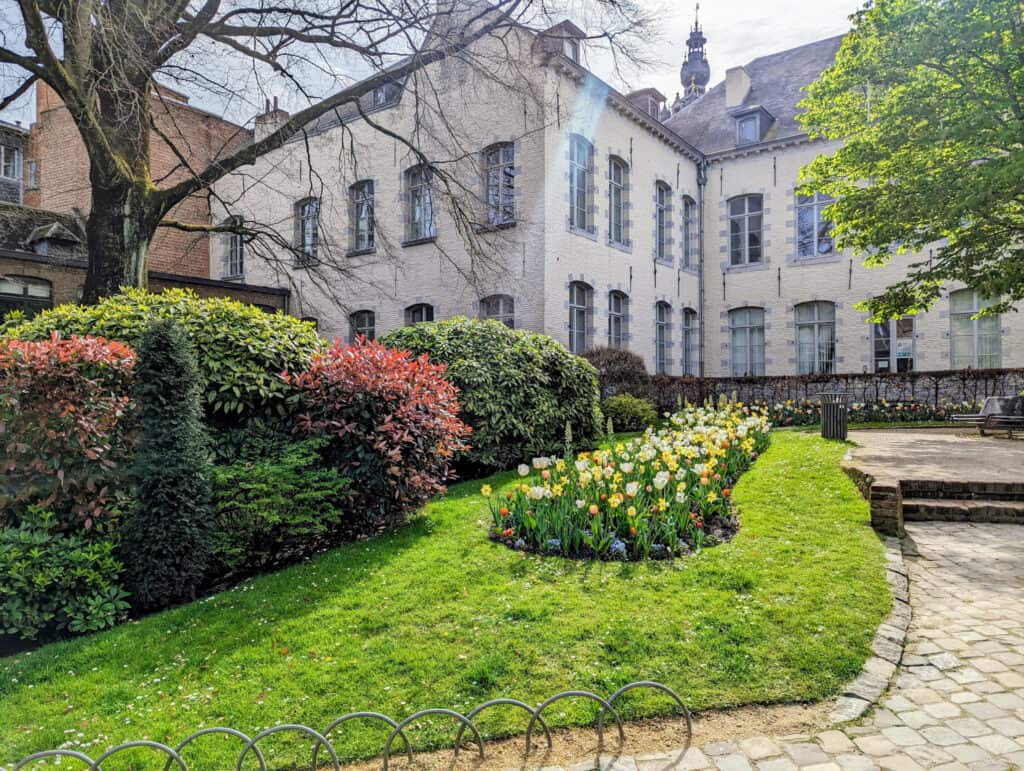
point(887, 647)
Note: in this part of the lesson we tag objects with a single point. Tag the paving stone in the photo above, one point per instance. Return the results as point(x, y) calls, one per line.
point(759, 748)
point(941, 736)
point(721, 748)
point(736, 761)
point(996, 744)
point(856, 763)
point(969, 726)
point(835, 742)
point(917, 718)
point(1008, 726)
point(899, 763)
point(927, 755)
point(776, 764)
point(968, 753)
point(805, 753)
point(875, 745)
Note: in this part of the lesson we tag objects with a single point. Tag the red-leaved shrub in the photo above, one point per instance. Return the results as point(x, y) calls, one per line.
point(64, 427)
point(392, 420)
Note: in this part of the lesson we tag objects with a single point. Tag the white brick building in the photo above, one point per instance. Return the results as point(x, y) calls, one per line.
point(595, 217)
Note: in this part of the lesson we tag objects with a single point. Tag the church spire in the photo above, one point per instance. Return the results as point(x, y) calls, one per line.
point(695, 72)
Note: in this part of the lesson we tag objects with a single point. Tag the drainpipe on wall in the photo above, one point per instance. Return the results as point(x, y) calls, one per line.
point(702, 181)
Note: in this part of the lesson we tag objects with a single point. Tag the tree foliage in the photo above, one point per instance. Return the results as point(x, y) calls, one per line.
point(928, 99)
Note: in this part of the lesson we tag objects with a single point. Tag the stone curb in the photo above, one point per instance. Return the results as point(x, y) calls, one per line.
point(887, 646)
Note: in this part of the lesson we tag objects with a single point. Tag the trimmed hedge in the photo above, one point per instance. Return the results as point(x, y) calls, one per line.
point(241, 350)
point(518, 389)
point(627, 413)
point(620, 372)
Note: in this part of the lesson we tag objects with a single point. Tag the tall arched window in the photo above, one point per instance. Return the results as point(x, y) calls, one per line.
point(690, 342)
point(813, 229)
point(618, 184)
point(974, 342)
point(419, 312)
point(362, 323)
point(361, 206)
point(746, 341)
point(500, 307)
point(815, 338)
point(663, 222)
point(581, 154)
point(581, 308)
point(689, 232)
point(419, 205)
point(26, 294)
point(618, 319)
point(307, 228)
point(745, 228)
point(500, 183)
point(662, 336)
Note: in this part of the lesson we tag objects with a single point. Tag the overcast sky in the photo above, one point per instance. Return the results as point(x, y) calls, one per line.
point(737, 31)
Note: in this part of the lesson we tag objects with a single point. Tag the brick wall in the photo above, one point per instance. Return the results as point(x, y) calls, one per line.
point(63, 170)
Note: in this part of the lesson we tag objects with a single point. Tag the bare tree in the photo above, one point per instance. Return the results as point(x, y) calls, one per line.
point(104, 59)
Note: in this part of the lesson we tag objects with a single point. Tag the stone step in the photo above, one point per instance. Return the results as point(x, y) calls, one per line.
point(948, 490)
point(952, 510)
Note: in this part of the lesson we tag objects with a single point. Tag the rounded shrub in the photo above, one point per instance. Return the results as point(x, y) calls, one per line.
point(627, 413)
point(620, 372)
point(519, 390)
point(241, 350)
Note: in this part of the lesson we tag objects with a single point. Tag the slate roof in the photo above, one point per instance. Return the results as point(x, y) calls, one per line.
point(20, 226)
point(777, 83)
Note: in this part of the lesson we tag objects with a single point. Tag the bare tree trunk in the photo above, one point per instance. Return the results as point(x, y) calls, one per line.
point(118, 233)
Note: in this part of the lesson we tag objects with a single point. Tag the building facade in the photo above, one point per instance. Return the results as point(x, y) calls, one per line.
point(596, 217)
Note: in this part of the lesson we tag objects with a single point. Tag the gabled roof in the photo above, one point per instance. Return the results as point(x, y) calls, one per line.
point(777, 83)
point(21, 226)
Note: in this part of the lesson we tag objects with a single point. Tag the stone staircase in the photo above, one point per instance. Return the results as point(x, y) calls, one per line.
point(948, 501)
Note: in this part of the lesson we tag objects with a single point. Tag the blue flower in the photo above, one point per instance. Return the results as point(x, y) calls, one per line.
point(553, 544)
point(618, 550)
point(520, 544)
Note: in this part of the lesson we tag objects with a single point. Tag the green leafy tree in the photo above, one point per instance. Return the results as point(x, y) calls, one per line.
point(166, 540)
point(928, 99)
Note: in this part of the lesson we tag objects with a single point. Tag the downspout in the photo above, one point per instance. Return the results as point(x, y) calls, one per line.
point(702, 181)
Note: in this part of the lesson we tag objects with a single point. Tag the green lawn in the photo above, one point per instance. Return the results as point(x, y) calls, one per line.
point(437, 615)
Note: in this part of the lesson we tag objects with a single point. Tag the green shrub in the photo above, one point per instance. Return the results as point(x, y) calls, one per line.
point(628, 413)
point(56, 581)
point(165, 537)
point(518, 390)
point(241, 349)
point(275, 509)
point(620, 372)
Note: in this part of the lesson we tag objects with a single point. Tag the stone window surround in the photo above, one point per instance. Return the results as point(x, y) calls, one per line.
point(766, 228)
point(626, 245)
point(417, 301)
point(836, 337)
point(590, 231)
point(350, 230)
point(590, 331)
point(627, 318)
point(496, 295)
point(669, 259)
point(516, 173)
point(668, 325)
point(792, 257)
point(725, 331)
point(694, 264)
point(365, 309)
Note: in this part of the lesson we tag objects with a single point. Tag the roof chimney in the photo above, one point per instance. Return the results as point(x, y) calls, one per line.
point(737, 86)
point(270, 120)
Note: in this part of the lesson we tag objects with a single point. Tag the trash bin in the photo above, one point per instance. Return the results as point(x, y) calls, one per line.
point(834, 413)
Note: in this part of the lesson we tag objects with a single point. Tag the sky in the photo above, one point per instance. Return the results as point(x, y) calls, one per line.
point(737, 31)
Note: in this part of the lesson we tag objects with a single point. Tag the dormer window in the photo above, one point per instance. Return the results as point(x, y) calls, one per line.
point(748, 129)
point(653, 106)
point(385, 94)
point(571, 48)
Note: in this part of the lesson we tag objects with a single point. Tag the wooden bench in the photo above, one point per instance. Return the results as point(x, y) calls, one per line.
point(998, 413)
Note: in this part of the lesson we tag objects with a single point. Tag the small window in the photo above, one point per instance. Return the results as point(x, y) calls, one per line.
point(815, 338)
point(745, 225)
point(689, 232)
point(385, 94)
point(813, 229)
point(581, 308)
point(419, 224)
point(580, 182)
point(662, 336)
point(618, 319)
point(618, 180)
point(974, 342)
point(571, 48)
point(690, 342)
point(24, 293)
point(746, 341)
point(500, 184)
point(362, 324)
point(893, 345)
point(10, 162)
point(234, 250)
point(663, 222)
point(748, 130)
point(361, 204)
point(418, 313)
point(500, 307)
point(307, 214)
point(32, 174)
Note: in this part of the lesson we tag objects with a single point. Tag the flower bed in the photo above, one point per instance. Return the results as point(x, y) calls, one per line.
point(803, 412)
point(653, 497)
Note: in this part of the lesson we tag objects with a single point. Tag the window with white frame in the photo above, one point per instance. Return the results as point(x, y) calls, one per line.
point(892, 345)
point(10, 162)
point(746, 341)
point(234, 249)
point(361, 204)
point(418, 313)
point(362, 324)
point(385, 94)
point(500, 183)
point(618, 181)
point(813, 229)
point(662, 336)
point(500, 307)
point(571, 48)
point(748, 130)
point(974, 340)
point(581, 308)
point(580, 182)
point(690, 342)
point(689, 232)
point(745, 228)
point(663, 222)
point(26, 294)
point(32, 174)
point(618, 319)
point(419, 213)
point(815, 338)
point(307, 217)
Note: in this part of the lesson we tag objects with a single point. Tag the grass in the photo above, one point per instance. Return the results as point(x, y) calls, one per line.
point(437, 615)
point(816, 427)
